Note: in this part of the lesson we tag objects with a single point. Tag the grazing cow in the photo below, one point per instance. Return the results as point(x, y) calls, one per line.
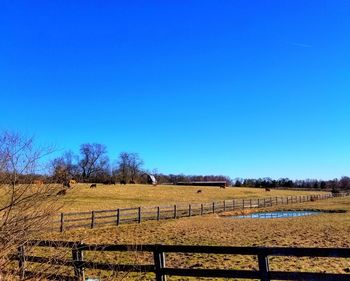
point(267, 189)
point(66, 184)
point(123, 182)
point(222, 186)
point(38, 182)
point(132, 182)
point(199, 191)
point(72, 182)
point(335, 191)
point(94, 185)
point(62, 192)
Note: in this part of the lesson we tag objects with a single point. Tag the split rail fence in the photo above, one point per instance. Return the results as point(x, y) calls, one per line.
point(79, 267)
point(93, 219)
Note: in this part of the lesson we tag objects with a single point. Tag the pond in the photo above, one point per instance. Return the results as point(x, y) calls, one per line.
point(277, 214)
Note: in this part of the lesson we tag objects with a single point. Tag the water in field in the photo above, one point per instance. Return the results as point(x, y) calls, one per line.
point(279, 214)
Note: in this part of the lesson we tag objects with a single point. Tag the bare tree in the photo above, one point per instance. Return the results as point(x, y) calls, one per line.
point(94, 160)
point(129, 166)
point(65, 168)
point(135, 164)
point(24, 208)
point(122, 170)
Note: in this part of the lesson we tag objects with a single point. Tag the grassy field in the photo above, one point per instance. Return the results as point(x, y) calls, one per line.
point(325, 230)
point(83, 198)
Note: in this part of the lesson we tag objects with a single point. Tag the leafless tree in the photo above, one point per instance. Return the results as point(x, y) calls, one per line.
point(65, 168)
point(93, 160)
point(122, 170)
point(135, 164)
point(129, 166)
point(24, 208)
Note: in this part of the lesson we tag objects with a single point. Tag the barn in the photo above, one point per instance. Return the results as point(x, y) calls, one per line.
point(151, 179)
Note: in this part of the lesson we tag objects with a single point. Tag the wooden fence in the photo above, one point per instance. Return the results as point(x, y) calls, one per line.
point(119, 216)
point(161, 270)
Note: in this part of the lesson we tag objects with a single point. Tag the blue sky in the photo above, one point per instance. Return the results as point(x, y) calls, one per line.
point(241, 88)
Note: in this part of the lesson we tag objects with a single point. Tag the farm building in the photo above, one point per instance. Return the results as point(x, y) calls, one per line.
point(151, 179)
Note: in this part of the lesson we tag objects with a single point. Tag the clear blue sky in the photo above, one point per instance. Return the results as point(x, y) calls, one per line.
point(241, 88)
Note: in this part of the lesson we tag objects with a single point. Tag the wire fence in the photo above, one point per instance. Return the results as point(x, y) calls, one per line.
point(93, 219)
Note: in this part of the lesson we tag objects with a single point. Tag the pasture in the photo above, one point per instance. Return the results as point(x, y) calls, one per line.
point(83, 198)
point(324, 230)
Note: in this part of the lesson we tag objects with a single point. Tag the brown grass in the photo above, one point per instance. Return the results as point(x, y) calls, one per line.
point(82, 198)
point(325, 230)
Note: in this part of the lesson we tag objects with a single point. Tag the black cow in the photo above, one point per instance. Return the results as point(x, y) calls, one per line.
point(62, 192)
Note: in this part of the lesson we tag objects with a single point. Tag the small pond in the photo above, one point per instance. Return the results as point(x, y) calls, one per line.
point(277, 214)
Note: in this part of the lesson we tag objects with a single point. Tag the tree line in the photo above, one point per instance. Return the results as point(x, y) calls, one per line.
point(340, 184)
point(92, 164)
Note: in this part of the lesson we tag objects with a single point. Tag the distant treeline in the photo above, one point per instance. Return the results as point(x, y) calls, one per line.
point(173, 179)
point(341, 184)
point(92, 164)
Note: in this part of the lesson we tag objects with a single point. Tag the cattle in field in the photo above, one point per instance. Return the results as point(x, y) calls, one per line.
point(199, 191)
point(72, 182)
point(94, 185)
point(62, 192)
point(38, 182)
point(267, 189)
point(123, 182)
point(108, 182)
point(66, 184)
point(132, 182)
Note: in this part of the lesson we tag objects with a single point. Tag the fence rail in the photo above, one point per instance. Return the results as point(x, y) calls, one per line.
point(161, 270)
point(93, 219)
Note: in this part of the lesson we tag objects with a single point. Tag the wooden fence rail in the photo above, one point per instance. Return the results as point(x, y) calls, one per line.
point(161, 270)
point(119, 216)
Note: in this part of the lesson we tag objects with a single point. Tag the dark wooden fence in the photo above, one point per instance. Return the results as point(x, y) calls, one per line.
point(161, 270)
point(119, 216)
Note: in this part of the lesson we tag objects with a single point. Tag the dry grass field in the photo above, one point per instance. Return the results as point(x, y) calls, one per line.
point(324, 230)
point(83, 198)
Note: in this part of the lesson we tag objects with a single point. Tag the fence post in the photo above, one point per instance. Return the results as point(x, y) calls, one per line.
point(189, 210)
point(62, 222)
point(250, 203)
point(233, 204)
point(224, 206)
point(118, 216)
point(201, 209)
point(243, 204)
point(21, 262)
point(264, 202)
point(159, 262)
point(139, 215)
point(92, 219)
point(175, 211)
point(77, 256)
point(158, 213)
point(213, 207)
point(263, 267)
